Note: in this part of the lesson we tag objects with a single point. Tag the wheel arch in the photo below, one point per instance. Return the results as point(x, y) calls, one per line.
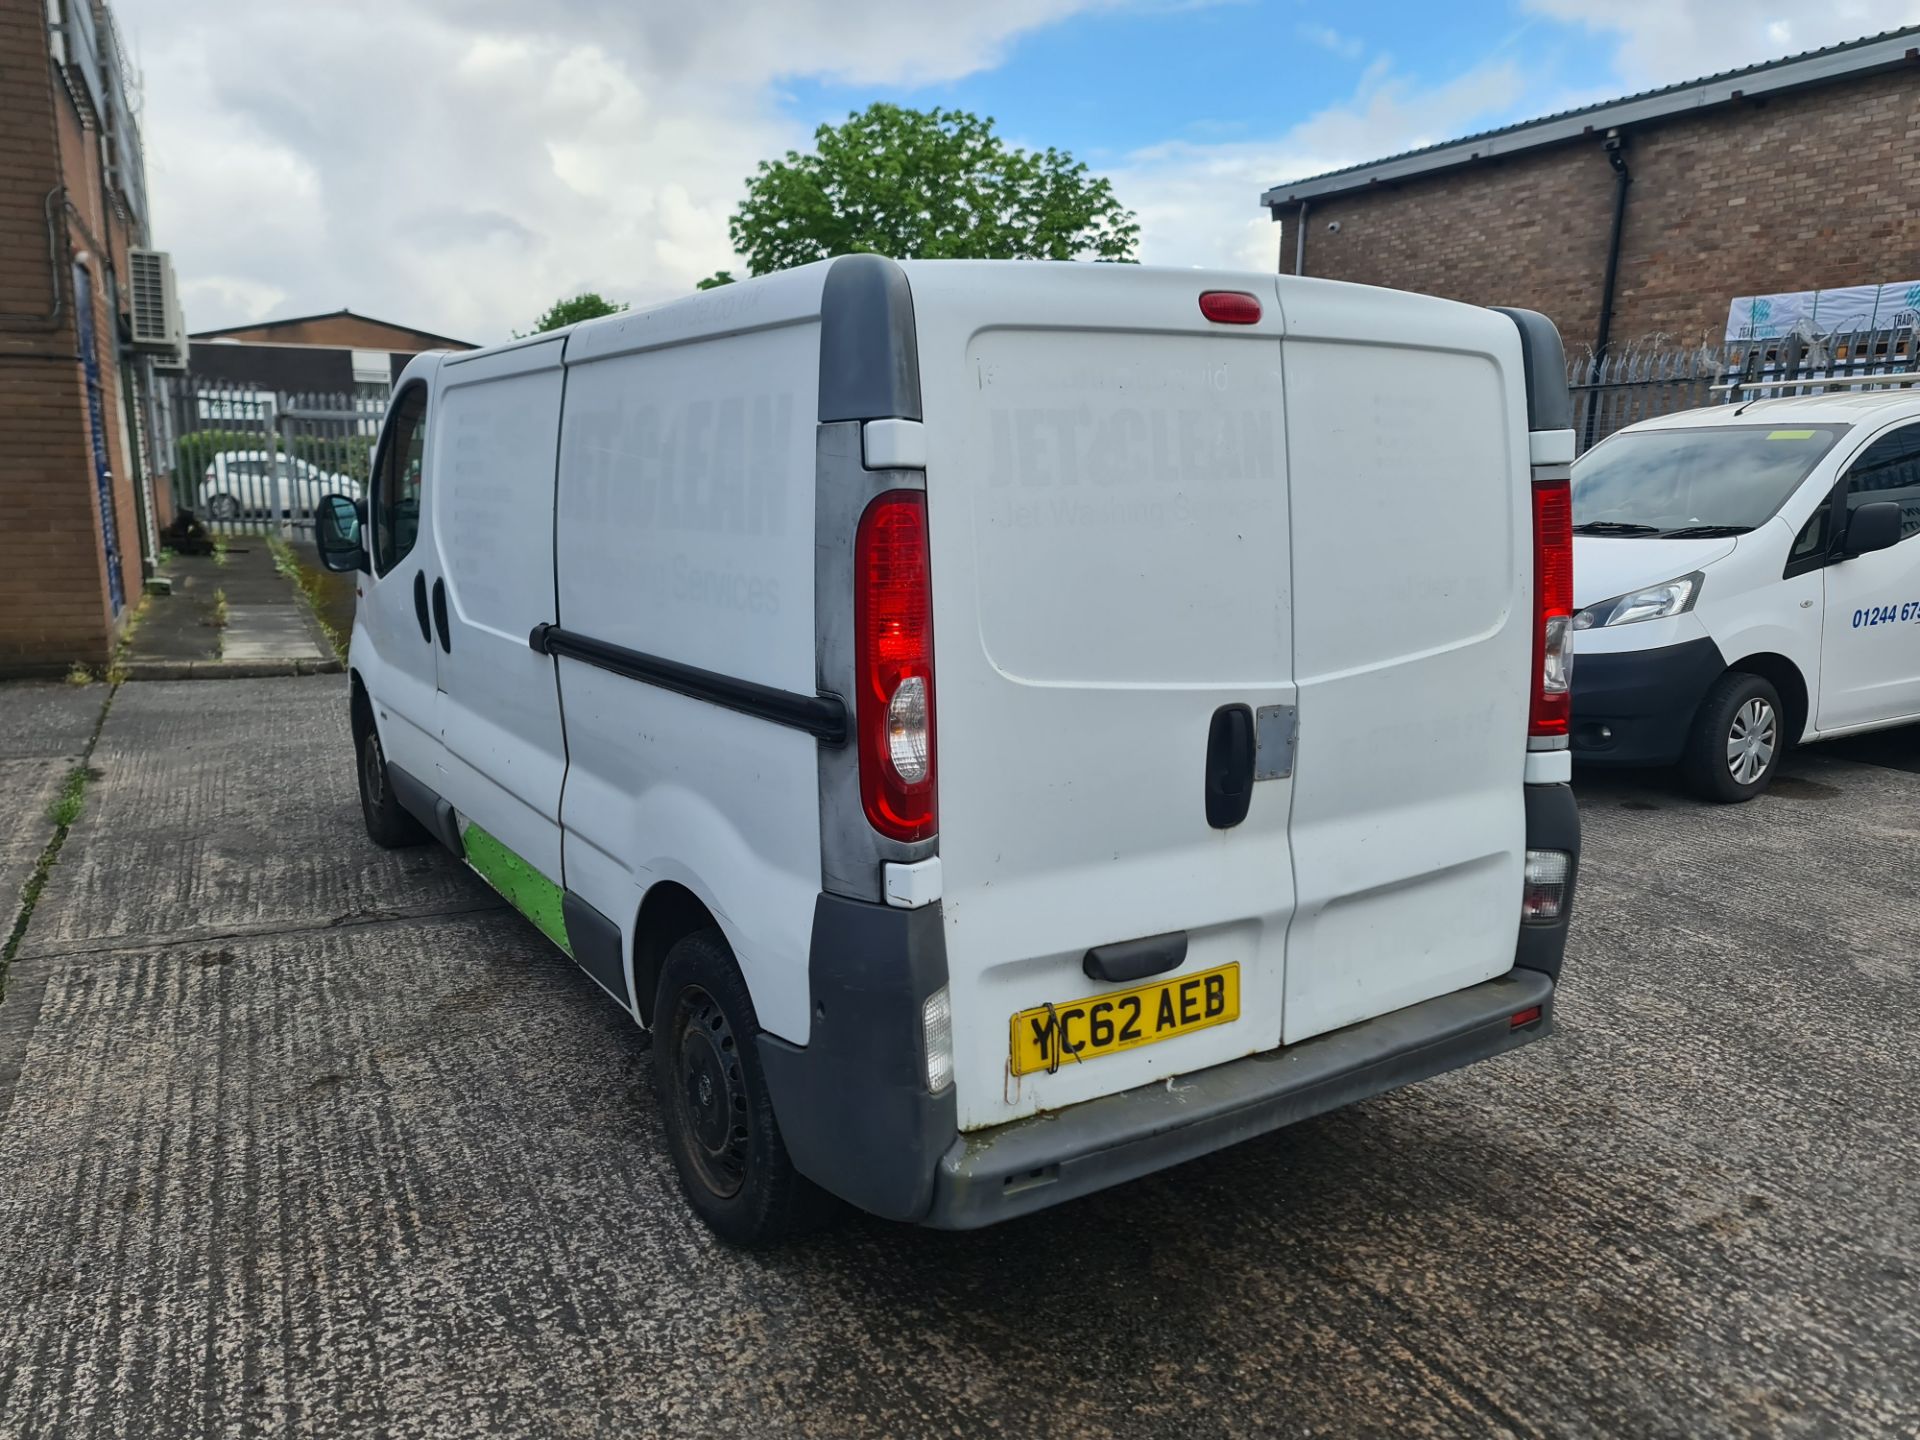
point(1786, 678)
point(669, 912)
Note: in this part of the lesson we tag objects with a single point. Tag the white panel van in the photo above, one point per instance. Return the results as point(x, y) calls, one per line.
point(1748, 579)
point(1005, 728)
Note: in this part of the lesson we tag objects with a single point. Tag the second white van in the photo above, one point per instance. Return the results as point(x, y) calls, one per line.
point(1006, 728)
point(1747, 579)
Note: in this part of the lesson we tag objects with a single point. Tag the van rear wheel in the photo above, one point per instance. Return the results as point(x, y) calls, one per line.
point(714, 1105)
point(1738, 736)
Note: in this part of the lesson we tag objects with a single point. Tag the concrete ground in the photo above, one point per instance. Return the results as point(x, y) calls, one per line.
point(44, 730)
point(268, 628)
point(315, 1139)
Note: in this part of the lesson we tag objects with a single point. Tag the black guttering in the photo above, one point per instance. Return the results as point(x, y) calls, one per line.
point(1616, 148)
point(869, 363)
point(1856, 58)
point(822, 716)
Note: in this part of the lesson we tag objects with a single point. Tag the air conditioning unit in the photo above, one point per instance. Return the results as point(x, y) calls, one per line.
point(155, 317)
point(175, 359)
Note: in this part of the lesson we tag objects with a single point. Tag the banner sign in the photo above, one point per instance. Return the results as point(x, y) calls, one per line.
point(1829, 312)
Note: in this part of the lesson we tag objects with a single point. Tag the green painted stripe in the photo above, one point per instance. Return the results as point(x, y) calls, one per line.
point(524, 887)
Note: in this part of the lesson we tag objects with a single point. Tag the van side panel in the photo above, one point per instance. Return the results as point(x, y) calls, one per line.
point(499, 419)
point(1412, 560)
point(685, 532)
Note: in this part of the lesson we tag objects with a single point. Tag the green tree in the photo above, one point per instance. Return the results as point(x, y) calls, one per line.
point(566, 312)
point(927, 185)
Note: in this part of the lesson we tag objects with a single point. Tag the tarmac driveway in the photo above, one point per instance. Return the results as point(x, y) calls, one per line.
point(314, 1139)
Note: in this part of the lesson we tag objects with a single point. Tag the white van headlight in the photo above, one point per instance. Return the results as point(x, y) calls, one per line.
point(1656, 602)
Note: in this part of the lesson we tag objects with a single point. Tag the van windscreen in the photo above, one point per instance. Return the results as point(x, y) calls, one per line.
point(1731, 477)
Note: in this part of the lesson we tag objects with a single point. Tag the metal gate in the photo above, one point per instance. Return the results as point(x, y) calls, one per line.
point(1657, 377)
point(253, 461)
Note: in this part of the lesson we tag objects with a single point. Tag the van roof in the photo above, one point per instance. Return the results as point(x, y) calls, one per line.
point(1834, 408)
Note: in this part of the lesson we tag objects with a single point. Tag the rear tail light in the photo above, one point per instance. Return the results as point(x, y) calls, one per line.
point(1523, 1018)
point(1552, 608)
point(1543, 891)
point(893, 641)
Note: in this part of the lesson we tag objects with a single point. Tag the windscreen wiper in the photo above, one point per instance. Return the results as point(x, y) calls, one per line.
point(1614, 527)
point(1703, 532)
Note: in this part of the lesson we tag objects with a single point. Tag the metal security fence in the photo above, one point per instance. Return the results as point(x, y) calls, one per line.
point(1656, 376)
point(247, 460)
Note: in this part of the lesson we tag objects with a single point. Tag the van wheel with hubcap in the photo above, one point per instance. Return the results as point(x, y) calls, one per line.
point(1738, 736)
point(388, 823)
point(714, 1104)
point(223, 507)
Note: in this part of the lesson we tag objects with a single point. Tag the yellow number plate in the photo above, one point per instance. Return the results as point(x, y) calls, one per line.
point(1080, 1030)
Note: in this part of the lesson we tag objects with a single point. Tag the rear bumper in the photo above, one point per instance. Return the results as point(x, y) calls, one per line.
point(1033, 1164)
point(1632, 707)
point(858, 1120)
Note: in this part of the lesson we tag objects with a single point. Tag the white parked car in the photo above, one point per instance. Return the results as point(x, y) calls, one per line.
point(1747, 579)
point(240, 483)
point(938, 695)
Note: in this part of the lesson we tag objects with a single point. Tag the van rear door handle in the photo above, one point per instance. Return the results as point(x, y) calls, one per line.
point(440, 615)
point(420, 604)
point(1136, 959)
point(1229, 778)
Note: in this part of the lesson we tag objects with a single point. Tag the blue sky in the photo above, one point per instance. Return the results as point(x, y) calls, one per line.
point(459, 164)
point(1110, 82)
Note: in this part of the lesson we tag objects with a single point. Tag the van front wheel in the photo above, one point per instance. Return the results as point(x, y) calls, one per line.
point(714, 1104)
point(1738, 736)
point(389, 825)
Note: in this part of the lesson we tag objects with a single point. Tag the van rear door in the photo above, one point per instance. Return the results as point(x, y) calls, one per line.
point(1413, 535)
point(1111, 562)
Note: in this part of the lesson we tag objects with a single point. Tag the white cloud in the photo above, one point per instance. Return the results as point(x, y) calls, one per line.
point(1347, 47)
point(1661, 42)
point(459, 164)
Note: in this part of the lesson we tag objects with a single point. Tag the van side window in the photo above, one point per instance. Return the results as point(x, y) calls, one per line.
point(1889, 469)
point(1812, 539)
point(396, 489)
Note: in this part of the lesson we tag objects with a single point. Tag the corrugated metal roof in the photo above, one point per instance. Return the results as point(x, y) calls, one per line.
point(1885, 51)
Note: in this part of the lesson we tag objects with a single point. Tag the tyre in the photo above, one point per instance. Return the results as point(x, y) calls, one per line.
point(222, 507)
point(714, 1105)
point(388, 823)
point(1738, 736)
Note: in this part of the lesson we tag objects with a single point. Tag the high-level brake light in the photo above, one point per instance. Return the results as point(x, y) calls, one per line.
point(1230, 307)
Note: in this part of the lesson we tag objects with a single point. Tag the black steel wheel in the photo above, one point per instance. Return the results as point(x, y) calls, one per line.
point(726, 1145)
point(709, 1092)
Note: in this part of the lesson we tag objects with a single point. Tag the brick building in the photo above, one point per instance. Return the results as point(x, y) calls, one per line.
point(336, 352)
point(77, 509)
point(1799, 174)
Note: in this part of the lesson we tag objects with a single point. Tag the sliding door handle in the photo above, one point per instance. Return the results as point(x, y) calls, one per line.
point(440, 615)
point(420, 605)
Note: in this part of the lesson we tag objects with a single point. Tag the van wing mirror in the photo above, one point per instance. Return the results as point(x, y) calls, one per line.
point(1873, 527)
point(337, 534)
